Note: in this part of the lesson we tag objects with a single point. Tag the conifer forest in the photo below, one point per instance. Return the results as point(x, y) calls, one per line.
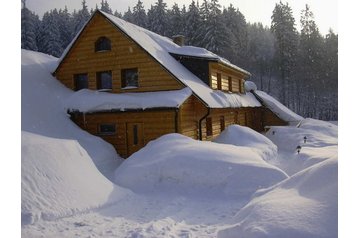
point(290, 60)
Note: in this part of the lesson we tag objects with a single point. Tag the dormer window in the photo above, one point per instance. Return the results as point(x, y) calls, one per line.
point(102, 44)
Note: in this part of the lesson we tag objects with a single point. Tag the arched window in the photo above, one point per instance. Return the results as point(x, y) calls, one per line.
point(102, 44)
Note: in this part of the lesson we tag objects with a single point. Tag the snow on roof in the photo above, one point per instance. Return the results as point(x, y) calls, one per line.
point(91, 101)
point(159, 47)
point(281, 110)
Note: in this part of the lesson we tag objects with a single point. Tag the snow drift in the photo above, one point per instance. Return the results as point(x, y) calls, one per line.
point(58, 176)
point(60, 179)
point(245, 136)
point(177, 164)
point(304, 205)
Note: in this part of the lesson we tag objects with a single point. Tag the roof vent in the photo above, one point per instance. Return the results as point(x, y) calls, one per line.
point(179, 40)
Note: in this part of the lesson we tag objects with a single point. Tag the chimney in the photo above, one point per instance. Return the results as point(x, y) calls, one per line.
point(179, 40)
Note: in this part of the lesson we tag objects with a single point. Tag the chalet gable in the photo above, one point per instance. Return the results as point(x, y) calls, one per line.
point(161, 51)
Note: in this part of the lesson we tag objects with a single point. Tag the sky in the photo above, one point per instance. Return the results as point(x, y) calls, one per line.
point(325, 11)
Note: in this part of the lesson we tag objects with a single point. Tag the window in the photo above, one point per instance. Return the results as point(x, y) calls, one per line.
point(130, 78)
point(80, 81)
point(107, 129)
point(219, 81)
point(230, 84)
point(104, 80)
point(222, 123)
point(209, 127)
point(102, 44)
point(135, 135)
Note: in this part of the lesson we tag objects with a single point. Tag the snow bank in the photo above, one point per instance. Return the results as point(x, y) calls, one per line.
point(281, 110)
point(43, 111)
point(58, 179)
point(58, 175)
point(177, 164)
point(305, 205)
point(245, 136)
point(87, 100)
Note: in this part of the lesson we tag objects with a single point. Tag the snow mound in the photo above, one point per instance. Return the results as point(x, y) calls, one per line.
point(58, 179)
point(281, 110)
point(180, 165)
point(245, 136)
point(305, 205)
point(250, 86)
point(323, 127)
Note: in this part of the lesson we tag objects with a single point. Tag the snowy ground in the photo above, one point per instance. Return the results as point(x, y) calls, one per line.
point(243, 185)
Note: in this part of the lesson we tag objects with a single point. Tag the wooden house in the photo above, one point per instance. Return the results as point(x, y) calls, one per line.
point(132, 86)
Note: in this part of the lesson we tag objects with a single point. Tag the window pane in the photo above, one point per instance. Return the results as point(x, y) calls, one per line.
point(107, 129)
point(130, 78)
point(81, 81)
point(102, 43)
point(104, 80)
point(222, 123)
point(135, 135)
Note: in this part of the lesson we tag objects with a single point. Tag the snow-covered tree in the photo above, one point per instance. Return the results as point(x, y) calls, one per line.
point(50, 38)
point(176, 21)
point(80, 18)
point(105, 7)
point(139, 15)
point(65, 27)
point(235, 21)
point(157, 18)
point(192, 24)
point(29, 23)
point(128, 16)
point(286, 44)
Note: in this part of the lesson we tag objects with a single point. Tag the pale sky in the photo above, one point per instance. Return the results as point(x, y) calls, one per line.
point(325, 11)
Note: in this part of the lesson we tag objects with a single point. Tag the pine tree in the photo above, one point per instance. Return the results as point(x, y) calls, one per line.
point(139, 15)
point(286, 44)
point(213, 33)
point(311, 59)
point(65, 27)
point(157, 18)
point(29, 22)
point(261, 52)
point(176, 21)
point(128, 16)
point(105, 7)
point(80, 18)
point(235, 21)
point(50, 40)
point(192, 24)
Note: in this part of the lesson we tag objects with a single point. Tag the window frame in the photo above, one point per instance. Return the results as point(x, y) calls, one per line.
point(100, 83)
point(124, 80)
point(102, 44)
point(106, 132)
point(75, 81)
point(219, 83)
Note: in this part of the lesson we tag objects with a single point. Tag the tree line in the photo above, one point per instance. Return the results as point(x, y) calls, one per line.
point(299, 67)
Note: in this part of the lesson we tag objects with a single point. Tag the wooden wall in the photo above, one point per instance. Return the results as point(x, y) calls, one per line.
point(271, 119)
point(237, 78)
point(125, 54)
point(155, 124)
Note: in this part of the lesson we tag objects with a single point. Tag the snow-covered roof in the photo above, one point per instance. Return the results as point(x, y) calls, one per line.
point(160, 47)
point(278, 108)
point(87, 100)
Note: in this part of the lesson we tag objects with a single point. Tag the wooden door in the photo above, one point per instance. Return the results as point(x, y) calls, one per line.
point(135, 139)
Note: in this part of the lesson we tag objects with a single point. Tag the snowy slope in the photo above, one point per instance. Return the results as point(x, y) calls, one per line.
point(304, 205)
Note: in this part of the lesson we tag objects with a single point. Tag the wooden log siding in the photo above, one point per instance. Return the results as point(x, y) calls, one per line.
point(125, 54)
point(237, 78)
point(155, 124)
point(271, 119)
